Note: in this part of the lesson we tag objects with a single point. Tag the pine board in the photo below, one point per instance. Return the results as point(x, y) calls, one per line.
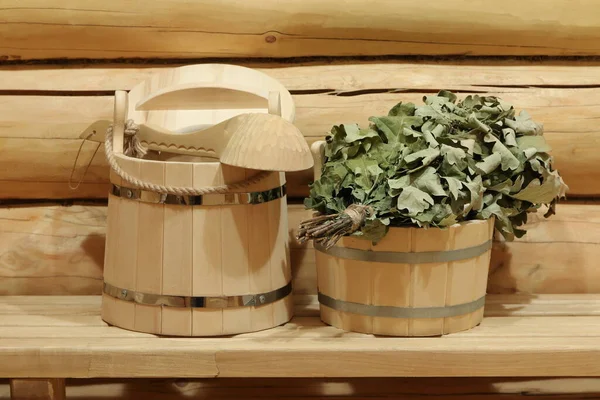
point(43, 109)
point(503, 345)
point(39, 29)
point(52, 249)
point(45, 153)
point(342, 75)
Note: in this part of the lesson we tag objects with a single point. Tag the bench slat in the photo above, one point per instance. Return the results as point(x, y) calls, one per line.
point(312, 327)
point(303, 357)
point(497, 305)
point(510, 344)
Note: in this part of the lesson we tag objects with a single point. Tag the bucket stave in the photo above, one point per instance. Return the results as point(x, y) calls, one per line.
point(414, 282)
point(196, 265)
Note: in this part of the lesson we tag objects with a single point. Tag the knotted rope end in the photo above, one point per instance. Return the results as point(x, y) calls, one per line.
point(133, 146)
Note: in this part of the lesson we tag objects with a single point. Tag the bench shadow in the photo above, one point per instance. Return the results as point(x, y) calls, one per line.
point(501, 281)
point(334, 388)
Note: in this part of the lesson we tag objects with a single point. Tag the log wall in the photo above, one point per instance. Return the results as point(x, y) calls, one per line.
point(34, 29)
point(44, 110)
point(59, 250)
point(61, 61)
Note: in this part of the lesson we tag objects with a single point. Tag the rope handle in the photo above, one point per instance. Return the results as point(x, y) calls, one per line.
point(121, 139)
point(87, 167)
point(177, 190)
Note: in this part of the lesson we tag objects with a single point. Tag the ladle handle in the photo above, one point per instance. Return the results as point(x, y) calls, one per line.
point(119, 118)
point(205, 96)
point(275, 103)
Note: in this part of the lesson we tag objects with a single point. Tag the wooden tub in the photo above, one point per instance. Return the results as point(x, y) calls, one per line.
point(414, 282)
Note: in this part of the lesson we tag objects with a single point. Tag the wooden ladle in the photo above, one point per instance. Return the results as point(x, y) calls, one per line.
point(233, 127)
point(251, 140)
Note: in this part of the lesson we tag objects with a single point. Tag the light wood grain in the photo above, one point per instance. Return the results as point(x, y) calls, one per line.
point(566, 113)
point(37, 389)
point(311, 327)
point(546, 345)
point(207, 279)
point(59, 250)
point(52, 249)
point(109, 310)
point(342, 75)
point(85, 311)
point(236, 271)
point(385, 288)
point(406, 285)
point(428, 282)
point(217, 86)
point(352, 281)
point(173, 29)
point(502, 305)
point(112, 229)
point(150, 239)
point(178, 245)
point(561, 95)
point(162, 105)
point(552, 258)
point(254, 140)
point(461, 277)
point(191, 97)
point(280, 260)
point(126, 250)
point(191, 251)
point(259, 262)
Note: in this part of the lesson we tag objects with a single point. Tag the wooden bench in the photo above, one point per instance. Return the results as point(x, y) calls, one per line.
point(534, 336)
point(58, 249)
point(548, 335)
point(59, 67)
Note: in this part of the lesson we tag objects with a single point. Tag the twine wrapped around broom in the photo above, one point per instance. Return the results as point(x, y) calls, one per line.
point(326, 230)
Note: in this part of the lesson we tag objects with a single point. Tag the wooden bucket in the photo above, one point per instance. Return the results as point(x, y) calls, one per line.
point(414, 282)
point(215, 264)
point(174, 268)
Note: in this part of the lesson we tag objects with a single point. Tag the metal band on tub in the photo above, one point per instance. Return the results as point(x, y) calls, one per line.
point(401, 312)
point(406, 258)
point(213, 199)
point(214, 302)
